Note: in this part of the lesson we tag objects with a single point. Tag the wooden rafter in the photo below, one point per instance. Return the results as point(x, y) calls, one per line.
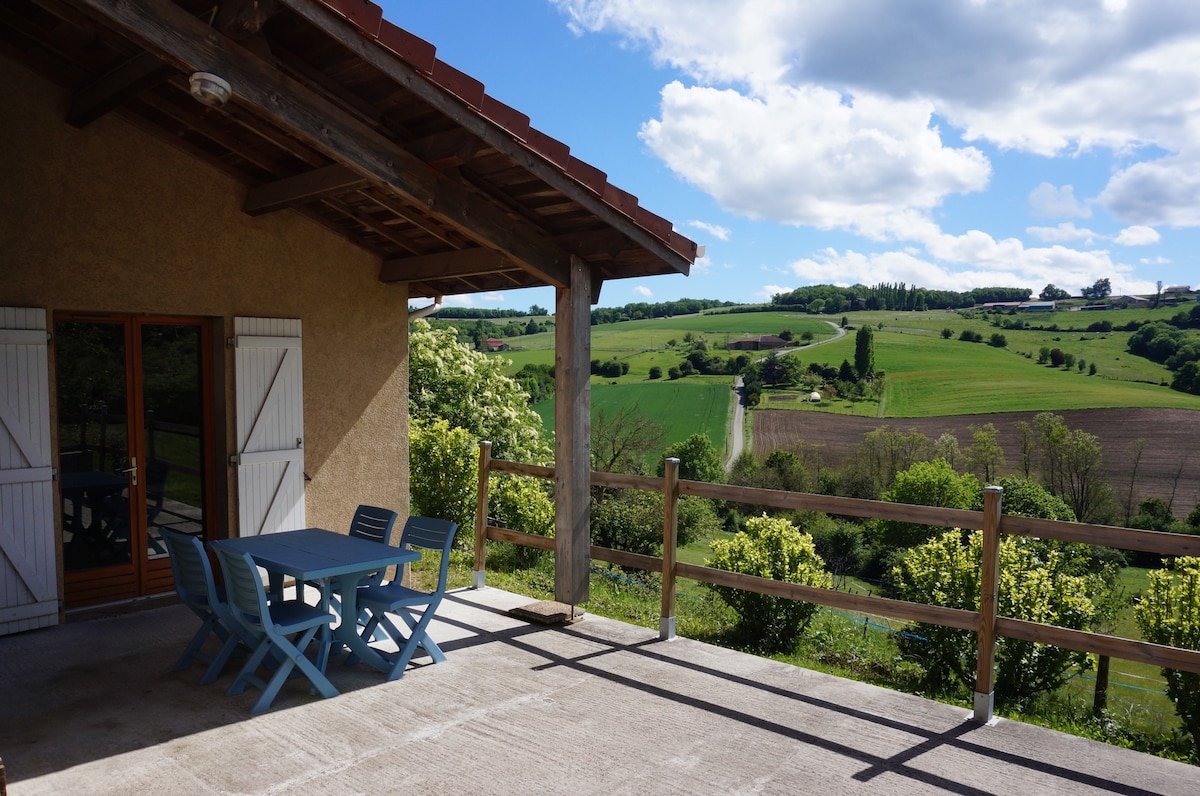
point(180, 39)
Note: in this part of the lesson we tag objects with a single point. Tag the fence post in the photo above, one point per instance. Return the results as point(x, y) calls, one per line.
point(989, 582)
point(666, 622)
point(481, 515)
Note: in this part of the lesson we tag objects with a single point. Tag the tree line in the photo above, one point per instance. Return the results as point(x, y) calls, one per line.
point(899, 297)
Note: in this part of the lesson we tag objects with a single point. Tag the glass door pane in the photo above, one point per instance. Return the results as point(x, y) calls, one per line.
point(173, 431)
point(93, 439)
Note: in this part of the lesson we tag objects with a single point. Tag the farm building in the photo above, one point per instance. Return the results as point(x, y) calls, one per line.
point(214, 219)
point(762, 342)
point(493, 344)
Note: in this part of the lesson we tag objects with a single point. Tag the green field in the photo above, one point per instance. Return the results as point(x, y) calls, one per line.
point(926, 374)
point(682, 407)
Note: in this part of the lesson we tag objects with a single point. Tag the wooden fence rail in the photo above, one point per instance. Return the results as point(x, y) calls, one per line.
point(984, 622)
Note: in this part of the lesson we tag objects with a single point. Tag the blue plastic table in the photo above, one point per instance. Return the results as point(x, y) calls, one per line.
point(315, 554)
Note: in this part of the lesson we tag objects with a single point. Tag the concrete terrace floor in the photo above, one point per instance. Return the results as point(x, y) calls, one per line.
point(594, 707)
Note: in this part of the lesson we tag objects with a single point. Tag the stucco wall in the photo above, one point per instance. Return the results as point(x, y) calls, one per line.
point(112, 219)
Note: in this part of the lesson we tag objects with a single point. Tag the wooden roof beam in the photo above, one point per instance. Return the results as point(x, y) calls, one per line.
point(493, 134)
point(173, 35)
point(448, 265)
point(301, 188)
point(111, 90)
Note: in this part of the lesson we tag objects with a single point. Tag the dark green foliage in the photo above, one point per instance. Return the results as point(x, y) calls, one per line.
point(864, 353)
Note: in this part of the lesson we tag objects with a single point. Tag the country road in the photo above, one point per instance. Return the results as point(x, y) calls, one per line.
point(737, 428)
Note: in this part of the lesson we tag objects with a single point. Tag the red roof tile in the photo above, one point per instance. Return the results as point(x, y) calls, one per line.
point(422, 55)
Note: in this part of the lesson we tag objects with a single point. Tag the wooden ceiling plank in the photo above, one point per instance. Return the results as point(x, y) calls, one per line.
point(178, 38)
point(369, 222)
point(446, 265)
point(301, 188)
point(112, 89)
point(498, 138)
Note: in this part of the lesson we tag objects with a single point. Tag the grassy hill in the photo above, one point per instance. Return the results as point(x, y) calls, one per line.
point(927, 375)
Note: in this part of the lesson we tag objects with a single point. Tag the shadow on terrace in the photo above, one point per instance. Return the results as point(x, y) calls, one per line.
point(94, 706)
point(595, 706)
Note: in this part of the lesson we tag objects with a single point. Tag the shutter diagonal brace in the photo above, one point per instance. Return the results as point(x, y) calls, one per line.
point(273, 396)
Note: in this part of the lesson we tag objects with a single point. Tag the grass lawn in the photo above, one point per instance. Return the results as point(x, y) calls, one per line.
point(696, 405)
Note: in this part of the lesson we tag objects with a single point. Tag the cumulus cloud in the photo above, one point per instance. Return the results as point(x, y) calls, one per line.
point(717, 231)
point(832, 115)
point(1054, 202)
point(765, 293)
point(1063, 233)
point(644, 291)
point(474, 299)
point(1032, 268)
point(1138, 236)
point(1159, 192)
point(810, 156)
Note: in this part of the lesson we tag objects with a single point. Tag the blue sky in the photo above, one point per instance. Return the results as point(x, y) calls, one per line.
point(949, 144)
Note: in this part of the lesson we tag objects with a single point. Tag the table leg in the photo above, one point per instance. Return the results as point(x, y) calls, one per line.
point(347, 629)
point(326, 639)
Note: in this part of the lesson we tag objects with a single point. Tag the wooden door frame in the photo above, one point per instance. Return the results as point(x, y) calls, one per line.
point(148, 576)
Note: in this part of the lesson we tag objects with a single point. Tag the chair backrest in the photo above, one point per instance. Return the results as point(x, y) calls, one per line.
point(244, 589)
point(372, 522)
point(432, 534)
point(189, 564)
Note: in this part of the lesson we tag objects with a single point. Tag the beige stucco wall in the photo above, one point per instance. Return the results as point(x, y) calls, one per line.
point(112, 219)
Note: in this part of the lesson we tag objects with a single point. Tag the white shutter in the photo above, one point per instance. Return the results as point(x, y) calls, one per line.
point(28, 571)
point(270, 425)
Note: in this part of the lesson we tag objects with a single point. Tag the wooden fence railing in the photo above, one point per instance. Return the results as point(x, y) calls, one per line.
point(985, 621)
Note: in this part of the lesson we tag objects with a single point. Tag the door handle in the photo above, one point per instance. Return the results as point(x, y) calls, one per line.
point(133, 469)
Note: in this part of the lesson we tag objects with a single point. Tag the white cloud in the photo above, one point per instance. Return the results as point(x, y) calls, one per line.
point(827, 115)
point(1063, 233)
point(717, 231)
point(643, 291)
point(765, 293)
point(1138, 236)
point(1052, 202)
point(810, 156)
point(1164, 191)
point(968, 261)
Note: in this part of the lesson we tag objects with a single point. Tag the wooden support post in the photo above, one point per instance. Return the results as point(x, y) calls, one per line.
point(572, 435)
point(666, 622)
point(989, 584)
point(481, 515)
point(1100, 698)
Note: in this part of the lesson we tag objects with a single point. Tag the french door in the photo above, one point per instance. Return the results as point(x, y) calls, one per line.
point(134, 445)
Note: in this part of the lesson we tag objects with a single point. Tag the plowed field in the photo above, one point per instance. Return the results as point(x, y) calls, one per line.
point(1170, 461)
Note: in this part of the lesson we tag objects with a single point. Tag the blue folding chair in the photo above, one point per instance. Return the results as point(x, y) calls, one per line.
point(198, 590)
point(283, 628)
point(378, 600)
point(369, 522)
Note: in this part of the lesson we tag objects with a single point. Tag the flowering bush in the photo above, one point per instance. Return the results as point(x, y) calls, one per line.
point(770, 547)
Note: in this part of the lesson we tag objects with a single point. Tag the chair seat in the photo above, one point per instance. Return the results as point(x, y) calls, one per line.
point(392, 594)
point(290, 616)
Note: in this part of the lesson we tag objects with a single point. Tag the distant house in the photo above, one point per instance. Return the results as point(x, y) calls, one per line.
point(1000, 305)
point(1177, 289)
point(759, 343)
point(1037, 306)
point(493, 344)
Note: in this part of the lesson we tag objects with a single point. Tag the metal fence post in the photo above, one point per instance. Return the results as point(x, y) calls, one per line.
point(666, 622)
point(481, 515)
point(989, 583)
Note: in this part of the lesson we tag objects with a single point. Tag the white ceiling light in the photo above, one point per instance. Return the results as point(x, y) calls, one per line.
point(209, 89)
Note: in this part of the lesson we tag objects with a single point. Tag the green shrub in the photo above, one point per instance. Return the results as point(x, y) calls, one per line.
point(1169, 613)
point(1036, 584)
point(770, 547)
